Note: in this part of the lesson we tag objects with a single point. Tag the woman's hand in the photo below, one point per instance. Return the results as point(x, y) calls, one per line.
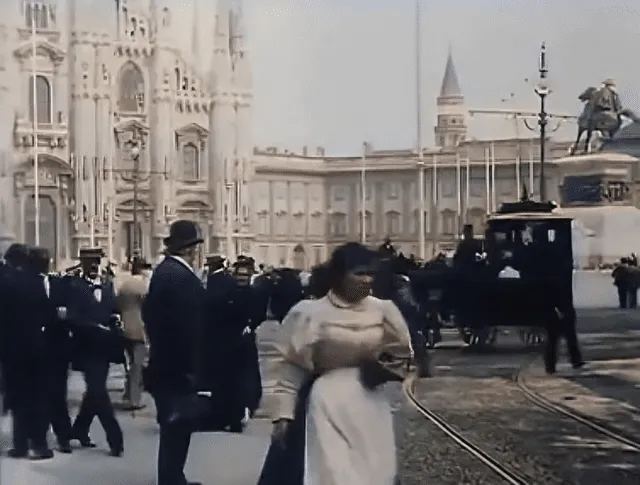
point(279, 432)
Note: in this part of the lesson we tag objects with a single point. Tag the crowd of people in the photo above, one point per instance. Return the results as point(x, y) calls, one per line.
point(189, 340)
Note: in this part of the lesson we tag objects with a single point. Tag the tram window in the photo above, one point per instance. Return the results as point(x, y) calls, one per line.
point(551, 235)
point(500, 236)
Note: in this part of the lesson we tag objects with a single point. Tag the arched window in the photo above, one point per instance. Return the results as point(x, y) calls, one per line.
point(131, 99)
point(43, 99)
point(191, 162)
point(178, 79)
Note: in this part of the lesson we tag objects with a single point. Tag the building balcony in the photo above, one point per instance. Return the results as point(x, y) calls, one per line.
point(53, 137)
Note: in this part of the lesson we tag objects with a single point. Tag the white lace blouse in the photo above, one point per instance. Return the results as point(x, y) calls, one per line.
point(318, 336)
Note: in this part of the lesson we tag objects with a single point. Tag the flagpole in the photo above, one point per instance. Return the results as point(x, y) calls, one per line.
point(458, 195)
point(110, 201)
point(487, 177)
point(467, 189)
point(434, 194)
point(419, 141)
point(34, 114)
point(363, 194)
point(518, 182)
point(530, 166)
point(493, 177)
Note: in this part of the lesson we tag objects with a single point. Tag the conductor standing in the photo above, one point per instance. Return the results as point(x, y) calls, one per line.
point(172, 313)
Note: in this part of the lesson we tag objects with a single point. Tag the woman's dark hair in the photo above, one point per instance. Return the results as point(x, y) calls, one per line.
point(319, 281)
point(344, 259)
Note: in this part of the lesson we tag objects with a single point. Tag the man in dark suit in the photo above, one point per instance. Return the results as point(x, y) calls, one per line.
point(25, 315)
point(172, 313)
point(58, 347)
point(98, 342)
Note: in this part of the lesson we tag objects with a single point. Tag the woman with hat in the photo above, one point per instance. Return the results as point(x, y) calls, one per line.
point(334, 355)
point(172, 313)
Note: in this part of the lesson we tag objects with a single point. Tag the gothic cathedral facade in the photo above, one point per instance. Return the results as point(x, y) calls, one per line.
point(130, 131)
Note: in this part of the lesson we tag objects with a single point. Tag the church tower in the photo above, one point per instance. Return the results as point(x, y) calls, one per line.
point(242, 88)
point(222, 133)
point(451, 127)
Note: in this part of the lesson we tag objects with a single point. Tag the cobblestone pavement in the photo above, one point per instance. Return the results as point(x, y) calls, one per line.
point(475, 393)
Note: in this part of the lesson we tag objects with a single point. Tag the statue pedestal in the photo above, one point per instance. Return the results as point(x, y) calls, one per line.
point(604, 234)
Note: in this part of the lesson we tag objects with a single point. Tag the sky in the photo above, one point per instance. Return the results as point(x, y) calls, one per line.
point(335, 73)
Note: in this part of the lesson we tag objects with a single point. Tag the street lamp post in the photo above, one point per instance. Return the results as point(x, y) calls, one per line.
point(135, 143)
point(542, 90)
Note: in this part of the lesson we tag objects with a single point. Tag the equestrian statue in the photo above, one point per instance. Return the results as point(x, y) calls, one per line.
point(602, 112)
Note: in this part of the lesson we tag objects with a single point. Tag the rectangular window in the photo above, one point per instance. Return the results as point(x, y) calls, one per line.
point(393, 190)
point(282, 255)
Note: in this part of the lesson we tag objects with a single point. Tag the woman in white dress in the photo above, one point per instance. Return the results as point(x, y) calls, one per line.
point(334, 354)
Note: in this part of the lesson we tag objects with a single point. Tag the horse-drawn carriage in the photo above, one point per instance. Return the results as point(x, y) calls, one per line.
point(527, 263)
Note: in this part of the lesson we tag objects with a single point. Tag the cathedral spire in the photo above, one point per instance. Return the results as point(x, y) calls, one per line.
point(450, 84)
point(195, 34)
point(221, 62)
point(238, 47)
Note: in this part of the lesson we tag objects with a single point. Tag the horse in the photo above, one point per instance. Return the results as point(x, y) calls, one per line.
point(606, 122)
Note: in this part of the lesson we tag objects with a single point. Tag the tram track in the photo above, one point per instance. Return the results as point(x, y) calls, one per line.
point(519, 379)
point(498, 467)
point(508, 475)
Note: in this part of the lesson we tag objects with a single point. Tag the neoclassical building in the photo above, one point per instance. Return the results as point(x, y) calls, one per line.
point(133, 131)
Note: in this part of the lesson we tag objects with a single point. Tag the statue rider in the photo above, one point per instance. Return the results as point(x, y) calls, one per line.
point(607, 100)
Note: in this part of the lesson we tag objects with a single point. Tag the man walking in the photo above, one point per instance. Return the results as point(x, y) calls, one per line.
point(172, 313)
point(130, 297)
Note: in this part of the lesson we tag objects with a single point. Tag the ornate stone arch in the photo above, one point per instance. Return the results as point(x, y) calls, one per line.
point(131, 88)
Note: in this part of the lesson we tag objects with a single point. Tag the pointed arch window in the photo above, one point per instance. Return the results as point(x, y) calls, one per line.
point(131, 86)
point(37, 13)
point(191, 162)
point(43, 99)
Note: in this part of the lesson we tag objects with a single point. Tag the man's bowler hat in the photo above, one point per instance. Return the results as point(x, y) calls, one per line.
point(183, 234)
point(91, 253)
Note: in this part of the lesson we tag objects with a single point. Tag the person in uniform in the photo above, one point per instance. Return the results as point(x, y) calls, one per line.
point(173, 314)
point(224, 346)
point(98, 342)
point(215, 263)
point(250, 310)
point(26, 313)
point(130, 296)
point(58, 347)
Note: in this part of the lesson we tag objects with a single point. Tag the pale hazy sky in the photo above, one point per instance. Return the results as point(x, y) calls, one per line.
point(337, 72)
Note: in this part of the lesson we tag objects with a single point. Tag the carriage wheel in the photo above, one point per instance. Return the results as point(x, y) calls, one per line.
point(532, 337)
point(483, 337)
point(465, 335)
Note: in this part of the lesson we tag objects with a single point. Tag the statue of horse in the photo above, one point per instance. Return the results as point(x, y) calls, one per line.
point(593, 119)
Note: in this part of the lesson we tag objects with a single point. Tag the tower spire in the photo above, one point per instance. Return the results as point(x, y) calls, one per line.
point(451, 127)
point(450, 85)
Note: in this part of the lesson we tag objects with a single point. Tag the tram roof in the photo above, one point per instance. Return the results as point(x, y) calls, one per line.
point(530, 216)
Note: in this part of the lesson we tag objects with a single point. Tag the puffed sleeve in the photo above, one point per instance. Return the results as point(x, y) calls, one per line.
point(294, 359)
point(397, 352)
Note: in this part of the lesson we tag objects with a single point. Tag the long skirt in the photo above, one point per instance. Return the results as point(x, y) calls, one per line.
point(346, 438)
